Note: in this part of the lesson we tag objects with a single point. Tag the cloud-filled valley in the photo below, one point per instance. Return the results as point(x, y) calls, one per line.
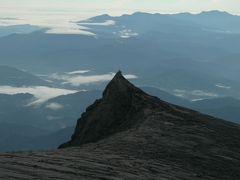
point(77, 78)
point(41, 93)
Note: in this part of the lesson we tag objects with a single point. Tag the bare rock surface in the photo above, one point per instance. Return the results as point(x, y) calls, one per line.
point(129, 134)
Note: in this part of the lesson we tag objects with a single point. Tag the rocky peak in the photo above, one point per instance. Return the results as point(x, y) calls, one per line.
point(118, 87)
point(112, 113)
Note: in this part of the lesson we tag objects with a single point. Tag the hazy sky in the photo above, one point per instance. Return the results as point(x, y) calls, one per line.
point(58, 13)
point(12, 7)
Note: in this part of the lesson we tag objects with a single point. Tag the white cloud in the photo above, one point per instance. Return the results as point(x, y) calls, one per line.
point(50, 118)
point(78, 72)
point(41, 93)
point(202, 93)
point(77, 80)
point(223, 86)
point(9, 21)
point(198, 99)
point(179, 95)
point(127, 33)
point(68, 29)
point(106, 23)
point(179, 91)
point(54, 106)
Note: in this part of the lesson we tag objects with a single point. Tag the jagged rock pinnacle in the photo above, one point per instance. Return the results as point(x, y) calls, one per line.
point(119, 86)
point(108, 115)
point(119, 73)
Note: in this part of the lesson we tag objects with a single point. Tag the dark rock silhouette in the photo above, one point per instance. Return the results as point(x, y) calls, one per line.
point(129, 134)
point(120, 108)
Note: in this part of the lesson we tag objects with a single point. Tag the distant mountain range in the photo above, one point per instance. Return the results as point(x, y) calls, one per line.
point(10, 76)
point(191, 60)
point(18, 29)
point(141, 23)
point(119, 25)
point(194, 53)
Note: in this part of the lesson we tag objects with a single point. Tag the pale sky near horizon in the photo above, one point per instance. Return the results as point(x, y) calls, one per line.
point(59, 13)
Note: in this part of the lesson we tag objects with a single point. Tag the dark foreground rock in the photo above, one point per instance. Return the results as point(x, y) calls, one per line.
point(129, 134)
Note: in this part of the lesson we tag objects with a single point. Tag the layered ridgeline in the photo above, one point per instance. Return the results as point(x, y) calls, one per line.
point(129, 134)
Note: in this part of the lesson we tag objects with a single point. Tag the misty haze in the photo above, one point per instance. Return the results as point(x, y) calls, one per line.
point(120, 90)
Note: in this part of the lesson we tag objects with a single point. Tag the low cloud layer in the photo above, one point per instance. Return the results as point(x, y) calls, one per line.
point(194, 95)
point(54, 106)
point(202, 93)
point(106, 23)
point(78, 72)
point(127, 33)
point(41, 93)
point(223, 86)
point(75, 79)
